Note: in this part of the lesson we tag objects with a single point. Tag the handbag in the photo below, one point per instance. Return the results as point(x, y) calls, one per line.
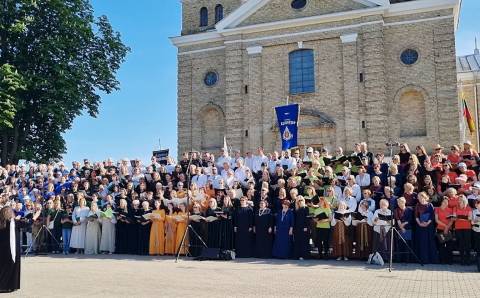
point(375, 259)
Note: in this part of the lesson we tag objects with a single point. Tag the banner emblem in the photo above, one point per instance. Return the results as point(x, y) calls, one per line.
point(287, 136)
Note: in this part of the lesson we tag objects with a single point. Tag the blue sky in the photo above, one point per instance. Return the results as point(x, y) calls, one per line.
point(132, 120)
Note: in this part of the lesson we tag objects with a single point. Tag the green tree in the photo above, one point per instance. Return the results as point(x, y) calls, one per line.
point(61, 58)
point(11, 83)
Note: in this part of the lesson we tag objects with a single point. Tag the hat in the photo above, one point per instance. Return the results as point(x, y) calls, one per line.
point(309, 150)
point(438, 147)
point(467, 143)
point(462, 165)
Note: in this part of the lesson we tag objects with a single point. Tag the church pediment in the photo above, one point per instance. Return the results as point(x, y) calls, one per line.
point(279, 10)
point(255, 12)
point(312, 119)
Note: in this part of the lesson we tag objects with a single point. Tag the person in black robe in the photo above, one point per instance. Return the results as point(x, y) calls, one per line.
point(226, 224)
point(301, 235)
point(213, 227)
point(263, 230)
point(200, 227)
point(121, 229)
point(133, 227)
point(143, 242)
point(243, 228)
point(9, 269)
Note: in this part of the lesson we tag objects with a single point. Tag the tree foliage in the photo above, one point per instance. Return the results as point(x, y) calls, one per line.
point(62, 58)
point(11, 83)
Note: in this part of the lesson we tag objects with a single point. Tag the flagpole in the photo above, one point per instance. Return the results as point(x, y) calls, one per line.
point(463, 112)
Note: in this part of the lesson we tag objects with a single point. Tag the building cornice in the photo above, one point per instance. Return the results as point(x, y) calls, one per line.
point(321, 19)
point(467, 76)
point(193, 39)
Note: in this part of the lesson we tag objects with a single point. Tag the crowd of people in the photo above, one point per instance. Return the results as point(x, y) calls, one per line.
point(320, 204)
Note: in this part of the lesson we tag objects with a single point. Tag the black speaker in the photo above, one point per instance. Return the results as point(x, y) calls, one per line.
point(209, 254)
point(227, 255)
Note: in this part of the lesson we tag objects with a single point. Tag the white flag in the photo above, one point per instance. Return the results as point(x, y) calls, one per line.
point(225, 147)
point(13, 241)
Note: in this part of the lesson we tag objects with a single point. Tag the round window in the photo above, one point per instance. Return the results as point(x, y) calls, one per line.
point(211, 78)
point(409, 57)
point(298, 4)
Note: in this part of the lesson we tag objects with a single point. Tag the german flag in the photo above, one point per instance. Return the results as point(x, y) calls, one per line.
point(468, 117)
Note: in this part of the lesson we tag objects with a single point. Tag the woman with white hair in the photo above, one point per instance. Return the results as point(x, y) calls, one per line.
point(93, 234)
point(425, 246)
point(342, 244)
point(463, 229)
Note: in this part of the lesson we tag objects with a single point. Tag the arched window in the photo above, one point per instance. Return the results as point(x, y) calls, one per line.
point(212, 125)
point(218, 13)
point(412, 114)
point(203, 17)
point(302, 72)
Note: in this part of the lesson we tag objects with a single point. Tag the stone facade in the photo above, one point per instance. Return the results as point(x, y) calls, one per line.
point(363, 92)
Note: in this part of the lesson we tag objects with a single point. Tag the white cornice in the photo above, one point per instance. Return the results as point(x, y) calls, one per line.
point(201, 51)
point(333, 17)
point(467, 76)
point(192, 39)
point(250, 7)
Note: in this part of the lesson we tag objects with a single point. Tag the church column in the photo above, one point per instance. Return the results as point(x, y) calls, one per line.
point(350, 89)
point(450, 117)
point(233, 95)
point(375, 86)
point(253, 113)
point(184, 107)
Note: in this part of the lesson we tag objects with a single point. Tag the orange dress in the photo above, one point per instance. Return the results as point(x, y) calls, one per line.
point(170, 231)
point(157, 233)
point(181, 228)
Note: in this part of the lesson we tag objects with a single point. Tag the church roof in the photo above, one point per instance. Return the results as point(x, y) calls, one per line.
point(322, 120)
point(469, 63)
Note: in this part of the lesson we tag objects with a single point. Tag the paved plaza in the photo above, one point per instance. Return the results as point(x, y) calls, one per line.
point(133, 276)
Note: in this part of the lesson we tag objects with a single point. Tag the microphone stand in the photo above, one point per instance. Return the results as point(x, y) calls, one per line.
point(393, 229)
point(42, 229)
point(189, 226)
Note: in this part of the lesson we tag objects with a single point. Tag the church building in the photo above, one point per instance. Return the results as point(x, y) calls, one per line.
point(361, 70)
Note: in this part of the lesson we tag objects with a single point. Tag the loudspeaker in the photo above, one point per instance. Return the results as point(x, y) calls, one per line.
point(216, 254)
point(227, 255)
point(209, 254)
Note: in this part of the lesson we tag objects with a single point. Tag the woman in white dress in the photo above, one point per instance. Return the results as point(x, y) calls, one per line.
point(107, 243)
point(92, 240)
point(79, 218)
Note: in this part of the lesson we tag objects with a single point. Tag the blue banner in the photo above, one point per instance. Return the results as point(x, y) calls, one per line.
point(288, 123)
